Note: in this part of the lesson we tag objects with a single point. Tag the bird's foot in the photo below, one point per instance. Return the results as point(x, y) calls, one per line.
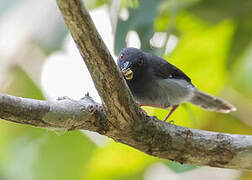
point(171, 122)
point(142, 111)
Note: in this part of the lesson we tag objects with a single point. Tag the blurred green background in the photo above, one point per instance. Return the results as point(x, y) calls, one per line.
point(210, 40)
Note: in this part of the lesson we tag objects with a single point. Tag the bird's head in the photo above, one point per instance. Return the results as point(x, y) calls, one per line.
point(131, 62)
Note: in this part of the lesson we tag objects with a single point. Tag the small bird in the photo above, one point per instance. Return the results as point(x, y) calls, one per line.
point(155, 82)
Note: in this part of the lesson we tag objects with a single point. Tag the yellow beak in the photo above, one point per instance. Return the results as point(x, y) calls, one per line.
point(128, 74)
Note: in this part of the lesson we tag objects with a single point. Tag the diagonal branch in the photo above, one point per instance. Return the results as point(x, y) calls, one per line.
point(109, 83)
point(122, 120)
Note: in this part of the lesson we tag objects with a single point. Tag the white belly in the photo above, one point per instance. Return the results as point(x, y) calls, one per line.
point(176, 91)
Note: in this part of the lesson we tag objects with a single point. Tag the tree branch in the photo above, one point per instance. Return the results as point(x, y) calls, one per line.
point(65, 113)
point(122, 120)
point(152, 136)
point(118, 103)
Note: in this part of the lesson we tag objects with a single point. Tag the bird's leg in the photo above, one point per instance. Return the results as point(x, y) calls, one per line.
point(160, 106)
point(171, 111)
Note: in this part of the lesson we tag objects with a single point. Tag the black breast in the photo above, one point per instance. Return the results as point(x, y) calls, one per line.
point(147, 90)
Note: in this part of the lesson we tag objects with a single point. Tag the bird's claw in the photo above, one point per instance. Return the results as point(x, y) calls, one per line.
point(170, 122)
point(142, 111)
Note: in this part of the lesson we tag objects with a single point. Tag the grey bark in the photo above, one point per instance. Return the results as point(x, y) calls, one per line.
point(119, 118)
point(146, 134)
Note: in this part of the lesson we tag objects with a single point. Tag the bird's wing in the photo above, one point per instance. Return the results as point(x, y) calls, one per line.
point(164, 69)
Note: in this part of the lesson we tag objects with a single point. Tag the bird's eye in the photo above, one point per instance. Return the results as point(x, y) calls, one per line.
point(121, 57)
point(140, 61)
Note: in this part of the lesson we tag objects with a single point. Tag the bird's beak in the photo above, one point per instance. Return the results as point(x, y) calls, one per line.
point(127, 72)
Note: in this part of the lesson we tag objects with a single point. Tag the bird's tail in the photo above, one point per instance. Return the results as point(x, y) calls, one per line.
point(211, 103)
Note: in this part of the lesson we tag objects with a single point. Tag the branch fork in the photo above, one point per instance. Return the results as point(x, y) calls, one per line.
point(119, 117)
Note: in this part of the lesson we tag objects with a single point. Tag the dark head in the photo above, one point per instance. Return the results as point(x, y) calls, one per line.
point(131, 62)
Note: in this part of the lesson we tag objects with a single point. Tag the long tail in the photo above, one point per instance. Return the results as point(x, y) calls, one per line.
point(211, 103)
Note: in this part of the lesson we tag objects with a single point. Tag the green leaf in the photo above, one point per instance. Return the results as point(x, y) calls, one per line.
point(141, 20)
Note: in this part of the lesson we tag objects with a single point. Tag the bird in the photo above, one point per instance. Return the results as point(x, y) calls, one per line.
point(155, 82)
